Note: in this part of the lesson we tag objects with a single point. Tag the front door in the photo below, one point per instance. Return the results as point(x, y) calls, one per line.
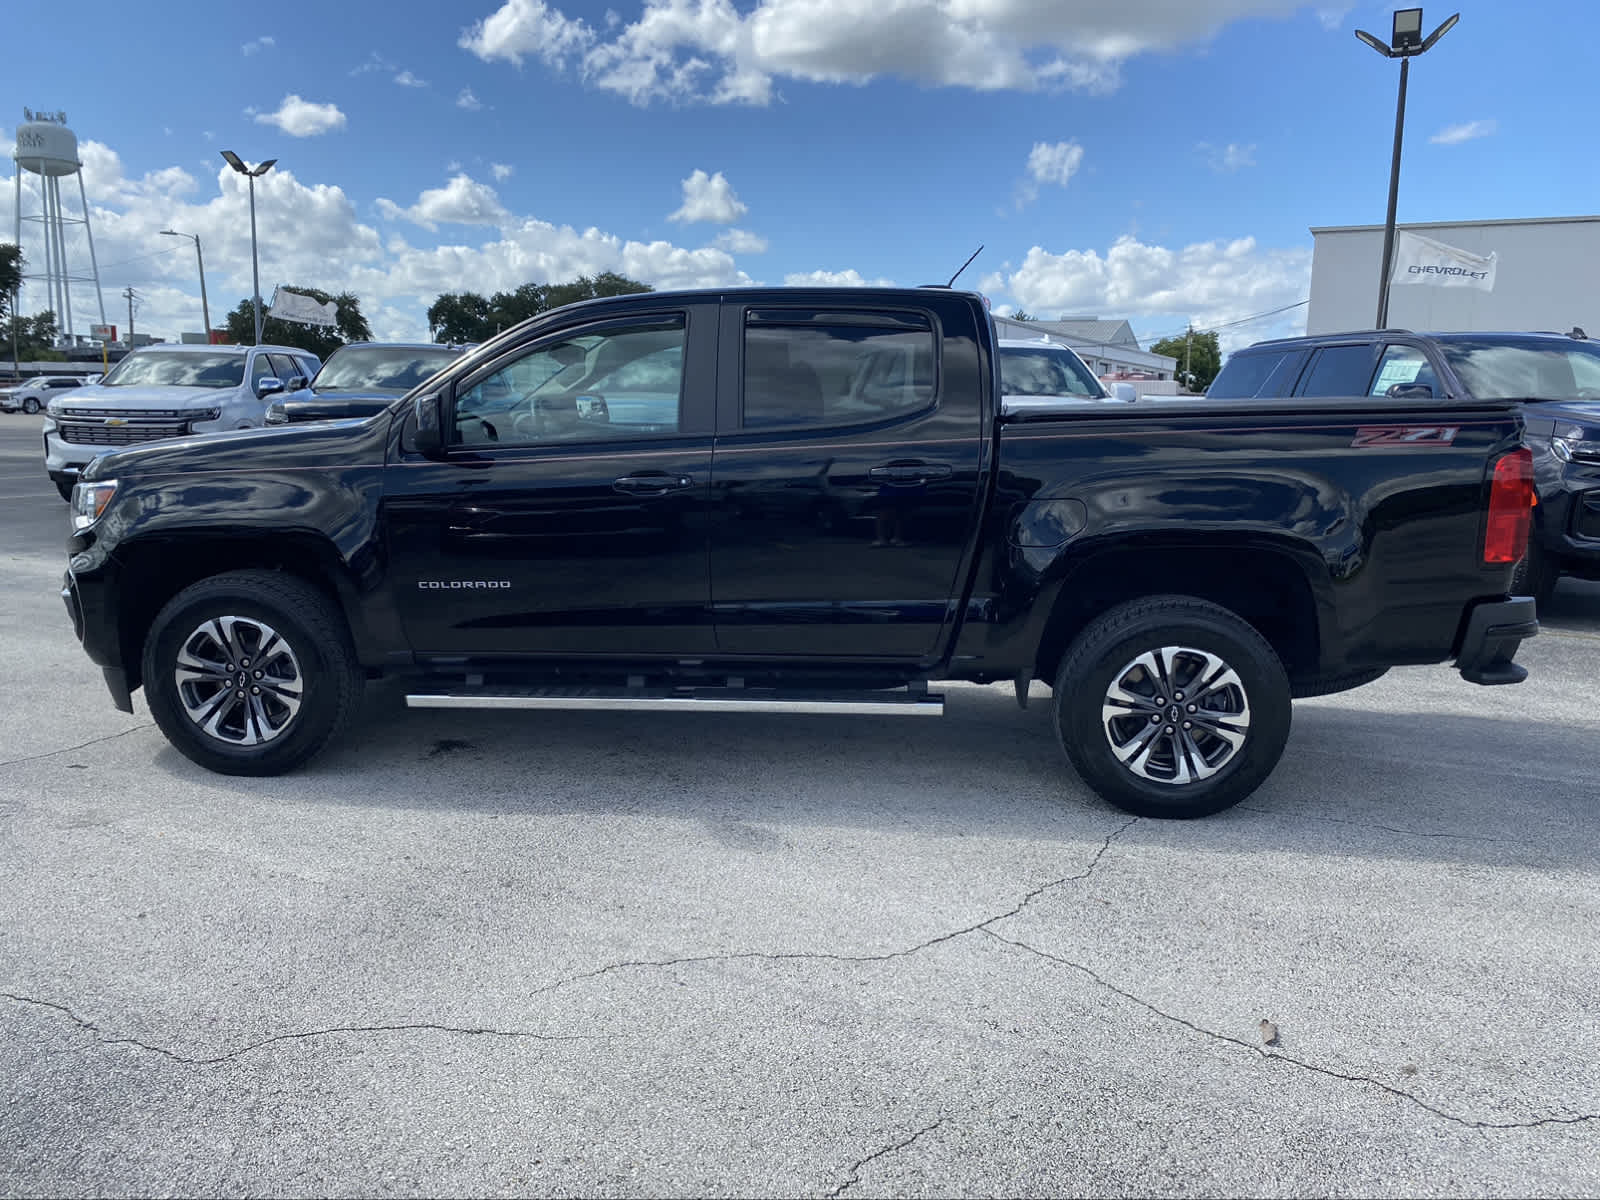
point(568, 517)
point(845, 485)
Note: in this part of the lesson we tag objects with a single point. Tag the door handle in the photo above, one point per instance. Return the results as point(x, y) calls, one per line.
point(910, 472)
point(652, 483)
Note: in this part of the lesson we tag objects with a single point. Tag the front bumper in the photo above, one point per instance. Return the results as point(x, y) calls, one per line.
point(1495, 628)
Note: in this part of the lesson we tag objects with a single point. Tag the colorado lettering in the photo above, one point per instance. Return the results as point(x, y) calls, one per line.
point(454, 584)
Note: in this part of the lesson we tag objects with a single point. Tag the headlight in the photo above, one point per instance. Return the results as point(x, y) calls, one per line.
point(197, 415)
point(53, 409)
point(276, 415)
point(89, 501)
point(1569, 449)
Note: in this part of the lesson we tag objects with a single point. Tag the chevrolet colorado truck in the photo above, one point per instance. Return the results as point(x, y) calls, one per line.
point(804, 501)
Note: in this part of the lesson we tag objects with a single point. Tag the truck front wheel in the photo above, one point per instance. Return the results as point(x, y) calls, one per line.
point(1172, 706)
point(250, 672)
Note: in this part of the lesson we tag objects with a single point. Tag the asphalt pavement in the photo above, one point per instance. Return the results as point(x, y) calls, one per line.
point(632, 954)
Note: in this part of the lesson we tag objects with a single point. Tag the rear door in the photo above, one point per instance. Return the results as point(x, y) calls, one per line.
point(846, 479)
point(1340, 370)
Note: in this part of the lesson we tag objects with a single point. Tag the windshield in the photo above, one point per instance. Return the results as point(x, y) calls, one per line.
point(1497, 369)
point(392, 369)
point(177, 369)
point(1046, 371)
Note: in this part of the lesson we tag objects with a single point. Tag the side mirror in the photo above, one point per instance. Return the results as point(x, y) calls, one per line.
point(268, 385)
point(296, 382)
point(593, 408)
point(1125, 391)
point(427, 419)
point(1411, 391)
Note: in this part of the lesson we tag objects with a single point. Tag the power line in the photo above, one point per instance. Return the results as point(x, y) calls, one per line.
point(1271, 312)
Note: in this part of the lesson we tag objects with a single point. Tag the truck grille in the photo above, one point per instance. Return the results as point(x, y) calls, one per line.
point(98, 433)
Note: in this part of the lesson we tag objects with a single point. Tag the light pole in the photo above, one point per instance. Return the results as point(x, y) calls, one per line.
point(1405, 43)
point(205, 308)
point(255, 263)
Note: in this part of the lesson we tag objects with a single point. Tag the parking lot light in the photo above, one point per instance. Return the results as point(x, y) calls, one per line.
point(234, 161)
point(1405, 43)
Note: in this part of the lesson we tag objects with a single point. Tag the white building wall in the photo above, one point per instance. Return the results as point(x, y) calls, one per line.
point(1545, 278)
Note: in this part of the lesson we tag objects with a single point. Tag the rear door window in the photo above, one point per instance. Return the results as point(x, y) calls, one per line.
point(1339, 371)
point(831, 368)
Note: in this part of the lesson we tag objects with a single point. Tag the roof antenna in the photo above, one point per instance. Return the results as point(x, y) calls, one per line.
point(964, 266)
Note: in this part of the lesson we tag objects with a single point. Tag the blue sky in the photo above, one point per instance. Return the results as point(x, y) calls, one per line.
point(1153, 159)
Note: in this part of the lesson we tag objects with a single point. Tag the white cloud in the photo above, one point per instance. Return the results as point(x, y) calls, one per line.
point(310, 235)
point(1454, 135)
point(375, 62)
point(1054, 163)
point(407, 79)
point(710, 50)
point(303, 118)
point(741, 241)
point(502, 171)
point(453, 165)
point(1332, 18)
point(522, 27)
point(709, 198)
point(264, 42)
point(847, 278)
point(462, 201)
point(465, 99)
point(1227, 159)
point(1211, 283)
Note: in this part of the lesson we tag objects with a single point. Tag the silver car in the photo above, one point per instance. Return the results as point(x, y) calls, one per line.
point(167, 391)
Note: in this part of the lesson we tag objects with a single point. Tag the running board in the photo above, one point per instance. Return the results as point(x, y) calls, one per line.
point(899, 703)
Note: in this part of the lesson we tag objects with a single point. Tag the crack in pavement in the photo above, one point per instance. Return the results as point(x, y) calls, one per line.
point(302, 1035)
point(811, 955)
point(1283, 816)
point(892, 1148)
point(81, 745)
point(1280, 1056)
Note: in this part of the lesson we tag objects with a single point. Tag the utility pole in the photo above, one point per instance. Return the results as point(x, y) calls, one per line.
point(131, 297)
point(1188, 357)
point(16, 367)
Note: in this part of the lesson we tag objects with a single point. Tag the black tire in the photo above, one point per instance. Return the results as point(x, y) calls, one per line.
point(1330, 685)
point(31, 406)
point(64, 486)
point(319, 659)
point(1535, 575)
point(1106, 652)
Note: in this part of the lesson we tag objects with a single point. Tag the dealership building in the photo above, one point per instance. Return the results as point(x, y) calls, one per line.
point(1544, 278)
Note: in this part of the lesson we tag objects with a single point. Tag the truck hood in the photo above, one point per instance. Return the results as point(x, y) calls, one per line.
point(184, 398)
point(1579, 419)
point(331, 446)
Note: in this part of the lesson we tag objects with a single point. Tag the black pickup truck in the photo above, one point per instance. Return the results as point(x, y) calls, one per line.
point(804, 501)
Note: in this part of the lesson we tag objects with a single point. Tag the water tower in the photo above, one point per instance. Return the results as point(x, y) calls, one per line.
point(48, 149)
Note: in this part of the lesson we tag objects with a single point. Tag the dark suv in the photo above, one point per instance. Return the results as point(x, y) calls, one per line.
point(1557, 376)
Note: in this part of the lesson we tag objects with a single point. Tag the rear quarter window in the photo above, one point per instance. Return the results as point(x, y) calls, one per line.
point(1339, 371)
point(1245, 375)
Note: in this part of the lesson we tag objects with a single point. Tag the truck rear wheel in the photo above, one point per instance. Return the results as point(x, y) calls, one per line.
point(250, 673)
point(1172, 706)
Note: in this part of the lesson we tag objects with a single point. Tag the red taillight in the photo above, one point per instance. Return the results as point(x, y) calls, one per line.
point(1505, 537)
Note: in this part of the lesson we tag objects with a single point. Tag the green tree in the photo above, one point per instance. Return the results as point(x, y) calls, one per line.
point(1199, 357)
point(36, 338)
point(458, 317)
point(470, 317)
point(351, 327)
point(1023, 315)
point(10, 275)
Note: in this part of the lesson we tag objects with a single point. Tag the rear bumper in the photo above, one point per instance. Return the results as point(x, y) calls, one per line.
point(1495, 628)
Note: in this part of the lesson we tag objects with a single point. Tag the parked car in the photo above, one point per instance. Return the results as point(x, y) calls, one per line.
point(1555, 377)
point(1040, 372)
point(32, 396)
point(1177, 570)
point(360, 380)
point(167, 392)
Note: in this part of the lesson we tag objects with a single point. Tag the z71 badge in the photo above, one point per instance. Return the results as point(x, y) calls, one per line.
point(1406, 435)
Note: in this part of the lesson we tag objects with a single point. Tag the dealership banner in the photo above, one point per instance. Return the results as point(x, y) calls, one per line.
point(292, 306)
point(1423, 260)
